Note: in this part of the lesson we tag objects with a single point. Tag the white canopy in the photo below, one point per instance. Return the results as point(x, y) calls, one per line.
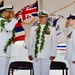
point(56, 9)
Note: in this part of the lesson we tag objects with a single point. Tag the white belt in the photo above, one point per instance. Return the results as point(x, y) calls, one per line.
point(5, 57)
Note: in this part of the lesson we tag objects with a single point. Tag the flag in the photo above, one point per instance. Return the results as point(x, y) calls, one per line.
point(25, 13)
point(10, 72)
point(2, 3)
point(61, 46)
point(19, 31)
point(55, 22)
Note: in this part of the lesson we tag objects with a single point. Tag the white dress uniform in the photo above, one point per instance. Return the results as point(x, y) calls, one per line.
point(5, 35)
point(41, 64)
point(70, 50)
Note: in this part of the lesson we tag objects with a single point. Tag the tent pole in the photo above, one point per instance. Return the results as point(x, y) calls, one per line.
point(39, 4)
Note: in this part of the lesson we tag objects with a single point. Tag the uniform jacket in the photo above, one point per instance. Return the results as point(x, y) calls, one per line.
point(5, 35)
point(50, 44)
point(73, 46)
point(70, 45)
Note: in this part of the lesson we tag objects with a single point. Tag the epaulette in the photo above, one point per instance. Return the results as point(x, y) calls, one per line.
point(35, 24)
point(51, 26)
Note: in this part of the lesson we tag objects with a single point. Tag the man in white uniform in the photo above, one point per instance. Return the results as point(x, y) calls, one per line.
point(70, 43)
point(42, 45)
point(6, 36)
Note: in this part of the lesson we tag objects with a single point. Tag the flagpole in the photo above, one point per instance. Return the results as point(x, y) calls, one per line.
point(39, 4)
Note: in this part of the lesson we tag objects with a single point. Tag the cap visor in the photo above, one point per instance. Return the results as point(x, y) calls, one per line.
point(68, 17)
point(43, 15)
point(71, 17)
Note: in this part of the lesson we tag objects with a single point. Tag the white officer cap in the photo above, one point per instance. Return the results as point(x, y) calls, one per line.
point(43, 13)
point(10, 8)
point(71, 16)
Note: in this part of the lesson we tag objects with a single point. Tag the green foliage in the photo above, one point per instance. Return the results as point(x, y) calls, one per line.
point(9, 41)
point(38, 37)
point(2, 22)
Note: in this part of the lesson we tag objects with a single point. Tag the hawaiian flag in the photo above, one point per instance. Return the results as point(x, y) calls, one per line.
point(25, 13)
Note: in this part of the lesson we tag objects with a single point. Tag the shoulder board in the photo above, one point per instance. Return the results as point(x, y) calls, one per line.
point(51, 26)
point(35, 25)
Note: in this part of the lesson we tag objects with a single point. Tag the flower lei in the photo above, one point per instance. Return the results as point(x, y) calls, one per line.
point(2, 25)
point(42, 38)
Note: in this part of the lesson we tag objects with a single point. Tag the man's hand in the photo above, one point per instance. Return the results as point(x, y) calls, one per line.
point(12, 15)
point(73, 62)
point(52, 58)
point(30, 57)
point(66, 24)
point(25, 47)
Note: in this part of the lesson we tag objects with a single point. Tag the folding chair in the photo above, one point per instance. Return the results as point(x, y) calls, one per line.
point(57, 65)
point(21, 65)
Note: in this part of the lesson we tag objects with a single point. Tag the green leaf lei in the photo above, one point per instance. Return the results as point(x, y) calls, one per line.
point(2, 25)
point(38, 37)
point(9, 41)
point(2, 22)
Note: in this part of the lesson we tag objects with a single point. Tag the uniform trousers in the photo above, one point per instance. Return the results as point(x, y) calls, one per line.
point(4, 65)
point(41, 66)
point(71, 66)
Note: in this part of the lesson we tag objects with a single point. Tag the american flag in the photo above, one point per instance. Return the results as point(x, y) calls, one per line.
point(25, 13)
